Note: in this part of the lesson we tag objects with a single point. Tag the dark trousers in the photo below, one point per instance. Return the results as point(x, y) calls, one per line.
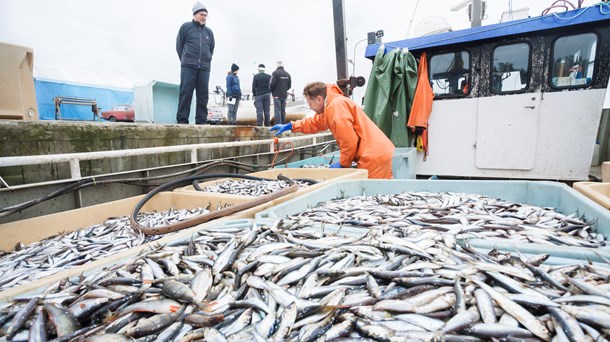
point(198, 80)
point(232, 111)
point(263, 105)
point(279, 109)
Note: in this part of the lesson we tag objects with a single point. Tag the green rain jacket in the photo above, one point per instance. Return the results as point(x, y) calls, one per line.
point(389, 94)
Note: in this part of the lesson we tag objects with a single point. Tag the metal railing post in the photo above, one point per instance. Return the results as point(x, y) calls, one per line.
point(75, 169)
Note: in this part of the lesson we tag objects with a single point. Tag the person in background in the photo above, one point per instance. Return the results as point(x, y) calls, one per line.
point(234, 93)
point(262, 95)
point(359, 139)
point(280, 83)
point(195, 47)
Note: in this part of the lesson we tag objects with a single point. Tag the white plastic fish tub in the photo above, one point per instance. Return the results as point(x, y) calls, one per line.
point(38, 228)
point(544, 194)
point(324, 176)
point(403, 162)
point(74, 274)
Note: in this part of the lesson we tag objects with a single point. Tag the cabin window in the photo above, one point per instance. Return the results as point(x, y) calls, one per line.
point(511, 65)
point(573, 60)
point(450, 74)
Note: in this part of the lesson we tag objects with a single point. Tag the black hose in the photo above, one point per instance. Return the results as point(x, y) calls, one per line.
point(83, 183)
point(205, 217)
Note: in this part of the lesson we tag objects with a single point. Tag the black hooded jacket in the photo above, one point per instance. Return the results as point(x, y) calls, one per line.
point(195, 45)
point(280, 83)
point(260, 84)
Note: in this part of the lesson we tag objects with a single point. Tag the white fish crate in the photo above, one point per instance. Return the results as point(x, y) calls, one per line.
point(559, 196)
point(39, 228)
point(323, 176)
point(74, 274)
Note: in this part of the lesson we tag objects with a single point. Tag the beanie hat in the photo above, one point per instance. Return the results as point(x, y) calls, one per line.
point(198, 7)
point(234, 67)
point(280, 64)
point(261, 67)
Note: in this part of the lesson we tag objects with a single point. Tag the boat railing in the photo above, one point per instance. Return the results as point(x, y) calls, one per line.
point(75, 158)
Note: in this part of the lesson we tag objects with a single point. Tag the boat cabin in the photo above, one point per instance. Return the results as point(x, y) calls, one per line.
point(520, 99)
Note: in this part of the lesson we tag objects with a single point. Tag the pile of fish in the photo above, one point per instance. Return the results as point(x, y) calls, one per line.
point(320, 166)
point(250, 187)
point(315, 166)
point(455, 216)
point(291, 283)
point(57, 253)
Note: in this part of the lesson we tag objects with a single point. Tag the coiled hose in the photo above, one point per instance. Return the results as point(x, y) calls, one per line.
point(211, 215)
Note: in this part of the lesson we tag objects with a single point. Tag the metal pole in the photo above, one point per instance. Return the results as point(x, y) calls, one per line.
point(477, 13)
point(354, 64)
point(340, 49)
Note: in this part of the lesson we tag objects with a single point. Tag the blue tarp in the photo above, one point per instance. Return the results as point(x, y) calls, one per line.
point(106, 98)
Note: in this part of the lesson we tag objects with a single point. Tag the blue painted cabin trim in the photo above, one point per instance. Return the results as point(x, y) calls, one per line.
point(598, 14)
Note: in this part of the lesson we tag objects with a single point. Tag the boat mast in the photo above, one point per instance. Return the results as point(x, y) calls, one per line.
point(340, 43)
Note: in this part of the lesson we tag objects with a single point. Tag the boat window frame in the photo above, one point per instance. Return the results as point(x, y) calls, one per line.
point(552, 62)
point(529, 69)
point(470, 73)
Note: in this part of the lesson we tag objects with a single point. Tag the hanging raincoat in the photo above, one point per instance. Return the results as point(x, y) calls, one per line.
point(422, 107)
point(390, 91)
point(358, 138)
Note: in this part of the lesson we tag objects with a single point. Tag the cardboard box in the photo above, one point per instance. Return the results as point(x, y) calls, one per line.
point(606, 171)
point(598, 192)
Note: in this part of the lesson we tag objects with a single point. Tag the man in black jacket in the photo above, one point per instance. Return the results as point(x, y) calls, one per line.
point(262, 95)
point(280, 83)
point(195, 47)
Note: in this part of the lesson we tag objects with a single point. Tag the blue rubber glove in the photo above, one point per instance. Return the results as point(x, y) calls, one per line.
point(335, 165)
point(281, 128)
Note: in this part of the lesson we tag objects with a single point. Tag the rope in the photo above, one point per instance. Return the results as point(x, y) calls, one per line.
point(279, 147)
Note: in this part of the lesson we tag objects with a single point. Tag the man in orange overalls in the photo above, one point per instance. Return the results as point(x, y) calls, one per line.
point(359, 139)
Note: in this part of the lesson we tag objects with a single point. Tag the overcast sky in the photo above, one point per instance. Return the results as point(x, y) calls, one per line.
point(136, 38)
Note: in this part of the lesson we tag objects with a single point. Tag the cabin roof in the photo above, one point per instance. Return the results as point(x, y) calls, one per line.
point(586, 15)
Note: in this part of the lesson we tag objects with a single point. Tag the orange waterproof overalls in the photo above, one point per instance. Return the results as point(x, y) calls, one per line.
point(359, 139)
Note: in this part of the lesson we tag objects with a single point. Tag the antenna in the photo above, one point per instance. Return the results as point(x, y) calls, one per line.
point(476, 10)
point(461, 5)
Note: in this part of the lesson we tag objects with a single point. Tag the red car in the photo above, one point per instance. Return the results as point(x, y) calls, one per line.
point(120, 113)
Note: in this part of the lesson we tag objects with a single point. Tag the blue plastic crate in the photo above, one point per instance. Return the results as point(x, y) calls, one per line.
point(309, 161)
point(403, 162)
point(543, 194)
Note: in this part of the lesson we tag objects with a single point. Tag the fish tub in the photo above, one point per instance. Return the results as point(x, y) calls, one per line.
point(403, 162)
point(39, 228)
point(74, 274)
point(543, 194)
point(324, 176)
point(597, 192)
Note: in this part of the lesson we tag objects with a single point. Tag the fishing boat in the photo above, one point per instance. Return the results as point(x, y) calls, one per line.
point(520, 99)
point(296, 107)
